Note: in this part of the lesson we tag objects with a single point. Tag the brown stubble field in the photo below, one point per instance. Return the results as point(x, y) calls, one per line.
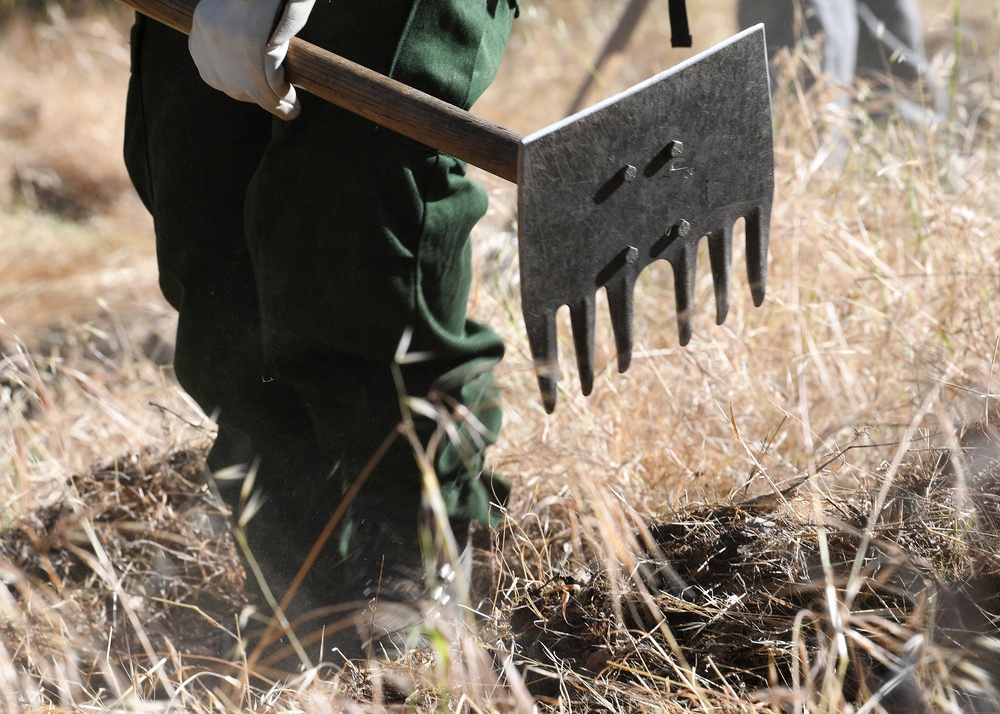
point(876, 345)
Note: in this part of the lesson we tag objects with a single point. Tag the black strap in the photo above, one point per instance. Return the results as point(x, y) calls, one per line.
point(680, 32)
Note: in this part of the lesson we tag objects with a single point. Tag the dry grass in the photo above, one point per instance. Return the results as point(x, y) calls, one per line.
point(648, 563)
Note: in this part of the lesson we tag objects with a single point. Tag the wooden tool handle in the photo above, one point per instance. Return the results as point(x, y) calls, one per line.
point(394, 105)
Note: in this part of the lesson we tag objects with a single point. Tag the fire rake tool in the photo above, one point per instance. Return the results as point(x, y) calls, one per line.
point(602, 194)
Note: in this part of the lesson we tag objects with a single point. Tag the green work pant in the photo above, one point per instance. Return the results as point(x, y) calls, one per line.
point(299, 253)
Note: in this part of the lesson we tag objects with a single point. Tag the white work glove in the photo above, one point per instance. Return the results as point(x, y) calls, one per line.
point(239, 47)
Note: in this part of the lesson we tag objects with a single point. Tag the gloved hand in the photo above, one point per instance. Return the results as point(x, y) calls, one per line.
point(239, 47)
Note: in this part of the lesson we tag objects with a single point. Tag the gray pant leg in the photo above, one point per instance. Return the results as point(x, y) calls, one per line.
point(835, 20)
point(838, 21)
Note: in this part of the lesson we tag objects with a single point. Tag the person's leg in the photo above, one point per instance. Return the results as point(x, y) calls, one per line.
point(892, 39)
point(359, 236)
point(352, 236)
point(835, 21)
point(835, 24)
point(191, 153)
point(891, 45)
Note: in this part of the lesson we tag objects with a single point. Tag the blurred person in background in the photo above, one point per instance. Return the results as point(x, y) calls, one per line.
point(302, 246)
point(877, 40)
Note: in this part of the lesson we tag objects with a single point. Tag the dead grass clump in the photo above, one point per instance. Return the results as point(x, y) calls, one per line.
point(65, 191)
point(142, 552)
point(810, 596)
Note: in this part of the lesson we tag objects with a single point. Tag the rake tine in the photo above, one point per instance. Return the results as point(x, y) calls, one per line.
point(582, 318)
point(685, 270)
point(720, 251)
point(758, 225)
point(621, 306)
point(541, 329)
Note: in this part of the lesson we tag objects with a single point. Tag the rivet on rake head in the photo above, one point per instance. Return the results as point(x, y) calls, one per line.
point(629, 173)
point(631, 254)
point(679, 230)
point(675, 148)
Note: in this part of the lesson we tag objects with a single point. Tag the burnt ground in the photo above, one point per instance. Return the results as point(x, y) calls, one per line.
point(891, 589)
point(752, 595)
point(743, 594)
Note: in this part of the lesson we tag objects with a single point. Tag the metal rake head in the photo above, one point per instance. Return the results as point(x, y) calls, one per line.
point(640, 178)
